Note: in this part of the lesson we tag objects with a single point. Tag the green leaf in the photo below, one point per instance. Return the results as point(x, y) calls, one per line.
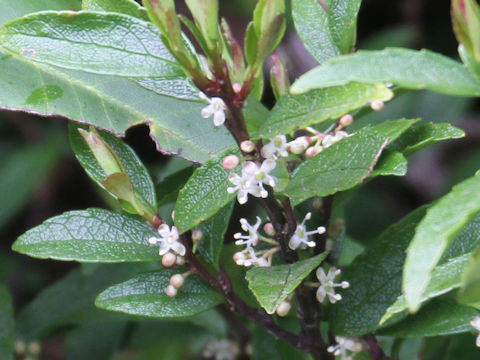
point(375, 280)
point(272, 285)
point(22, 171)
point(470, 292)
point(214, 230)
point(294, 112)
point(312, 25)
point(70, 301)
point(203, 195)
point(409, 69)
point(342, 20)
point(462, 347)
point(13, 10)
point(127, 7)
point(445, 278)
point(340, 167)
point(437, 230)
point(92, 235)
point(134, 168)
point(418, 137)
point(390, 163)
point(145, 295)
point(439, 317)
point(100, 43)
point(6, 324)
point(265, 346)
point(393, 129)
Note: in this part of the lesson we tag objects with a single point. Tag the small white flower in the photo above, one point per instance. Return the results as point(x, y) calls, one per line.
point(476, 324)
point(328, 285)
point(252, 238)
point(346, 348)
point(300, 236)
point(216, 107)
point(248, 257)
point(276, 146)
point(262, 176)
point(168, 240)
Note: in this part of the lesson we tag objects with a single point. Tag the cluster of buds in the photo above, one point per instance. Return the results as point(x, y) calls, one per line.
point(250, 256)
point(176, 282)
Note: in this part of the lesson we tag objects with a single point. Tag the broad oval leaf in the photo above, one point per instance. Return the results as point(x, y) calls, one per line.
point(145, 295)
point(6, 324)
point(92, 235)
point(435, 233)
point(409, 69)
point(101, 43)
point(271, 285)
point(294, 112)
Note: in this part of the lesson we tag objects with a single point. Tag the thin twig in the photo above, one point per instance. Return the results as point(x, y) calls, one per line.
point(374, 348)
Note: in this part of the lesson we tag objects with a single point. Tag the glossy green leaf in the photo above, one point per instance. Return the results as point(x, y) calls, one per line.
point(470, 292)
point(101, 43)
point(294, 112)
point(391, 163)
point(439, 317)
point(340, 167)
point(127, 7)
point(312, 25)
point(409, 69)
point(375, 280)
point(418, 137)
point(214, 230)
point(12, 10)
point(22, 172)
point(435, 233)
point(203, 195)
point(342, 20)
point(272, 285)
point(393, 129)
point(445, 277)
point(134, 168)
point(92, 235)
point(6, 324)
point(70, 301)
point(145, 295)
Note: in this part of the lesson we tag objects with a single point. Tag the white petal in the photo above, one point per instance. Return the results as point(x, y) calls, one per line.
point(179, 248)
point(321, 293)
point(476, 322)
point(242, 197)
point(219, 118)
point(478, 341)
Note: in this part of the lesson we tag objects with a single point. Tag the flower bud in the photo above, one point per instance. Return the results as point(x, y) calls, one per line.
point(177, 281)
point(180, 260)
point(283, 308)
point(377, 105)
point(247, 146)
point(312, 151)
point(238, 257)
point(269, 229)
point(346, 120)
point(230, 162)
point(168, 260)
point(171, 291)
point(299, 145)
point(197, 236)
point(237, 87)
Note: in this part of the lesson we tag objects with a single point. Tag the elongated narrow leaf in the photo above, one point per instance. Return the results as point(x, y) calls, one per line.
point(439, 317)
point(434, 234)
point(145, 295)
point(101, 43)
point(312, 25)
point(445, 277)
point(408, 69)
point(375, 280)
point(136, 171)
point(337, 168)
point(203, 195)
point(6, 324)
point(294, 112)
point(342, 21)
point(13, 10)
point(127, 7)
point(272, 285)
point(92, 235)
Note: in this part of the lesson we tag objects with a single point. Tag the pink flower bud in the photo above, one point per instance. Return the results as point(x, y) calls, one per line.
point(168, 260)
point(197, 236)
point(283, 308)
point(237, 87)
point(177, 281)
point(171, 291)
point(346, 120)
point(377, 105)
point(312, 151)
point(230, 162)
point(238, 256)
point(247, 146)
point(268, 228)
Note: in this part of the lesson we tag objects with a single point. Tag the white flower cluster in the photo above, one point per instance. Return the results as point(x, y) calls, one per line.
point(169, 241)
point(328, 285)
point(346, 348)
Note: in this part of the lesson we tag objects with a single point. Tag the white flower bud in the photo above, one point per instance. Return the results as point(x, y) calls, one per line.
point(230, 162)
point(171, 291)
point(346, 120)
point(237, 87)
point(299, 145)
point(283, 308)
point(312, 151)
point(238, 257)
point(269, 229)
point(197, 236)
point(180, 260)
point(377, 105)
point(168, 260)
point(177, 281)
point(247, 146)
